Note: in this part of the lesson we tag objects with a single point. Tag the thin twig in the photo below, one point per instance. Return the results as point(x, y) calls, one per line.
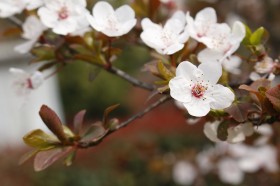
point(88, 144)
point(131, 79)
point(15, 20)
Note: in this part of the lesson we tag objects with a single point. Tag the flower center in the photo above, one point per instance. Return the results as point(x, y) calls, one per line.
point(198, 90)
point(63, 13)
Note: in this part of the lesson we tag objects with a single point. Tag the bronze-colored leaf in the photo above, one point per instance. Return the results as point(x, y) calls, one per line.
point(273, 95)
point(78, 121)
point(239, 111)
point(106, 115)
point(94, 132)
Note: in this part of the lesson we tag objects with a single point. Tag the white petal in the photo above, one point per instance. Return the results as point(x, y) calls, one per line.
point(238, 31)
point(235, 135)
point(146, 23)
point(179, 89)
point(47, 17)
point(184, 173)
point(206, 16)
point(37, 79)
point(197, 107)
point(127, 26)
point(231, 64)
point(211, 72)
point(93, 23)
point(124, 13)
point(186, 70)
point(173, 48)
point(222, 97)
point(208, 55)
point(25, 47)
point(254, 76)
point(210, 130)
point(102, 10)
point(175, 26)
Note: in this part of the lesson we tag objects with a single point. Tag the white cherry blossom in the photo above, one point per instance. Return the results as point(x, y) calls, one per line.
point(263, 69)
point(11, 7)
point(196, 88)
point(32, 30)
point(230, 64)
point(168, 39)
point(25, 82)
point(199, 27)
point(110, 22)
point(64, 16)
point(236, 134)
point(184, 173)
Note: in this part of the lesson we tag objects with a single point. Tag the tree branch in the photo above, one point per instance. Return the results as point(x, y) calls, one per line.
point(125, 123)
point(131, 79)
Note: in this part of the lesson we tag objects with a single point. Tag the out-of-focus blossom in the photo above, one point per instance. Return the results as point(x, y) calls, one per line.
point(236, 134)
point(168, 39)
point(33, 4)
point(64, 16)
point(32, 30)
point(266, 131)
point(196, 88)
point(184, 173)
point(11, 7)
point(110, 22)
point(230, 64)
point(263, 69)
point(229, 171)
point(26, 82)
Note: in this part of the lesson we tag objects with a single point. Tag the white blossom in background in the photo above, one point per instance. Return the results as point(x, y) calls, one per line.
point(229, 171)
point(266, 131)
point(24, 82)
point(167, 39)
point(63, 16)
point(199, 27)
point(34, 4)
point(263, 69)
point(230, 63)
point(184, 173)
point(32, 30)
point(196, 88)
point(110, 22)
point(11, 7)
point(236, 134)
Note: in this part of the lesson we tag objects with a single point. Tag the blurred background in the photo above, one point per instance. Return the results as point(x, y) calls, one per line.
point(145, 152)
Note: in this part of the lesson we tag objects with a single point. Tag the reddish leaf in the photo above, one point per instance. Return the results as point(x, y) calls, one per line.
point(53, 122)
point(94, 132)
point(273, 95)
point(106, 114)
point(46, 158)
point(239, 111)
point(248, 88)
point(78, 121)
point(27, 156)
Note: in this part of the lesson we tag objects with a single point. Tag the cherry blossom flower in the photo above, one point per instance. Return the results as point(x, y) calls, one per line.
point(168, 39)
point(184, 173)
point(32, 30)
point(196, 88)
point(236, 134)
point(229, 171)
point(263, 69)
point(230, 64)
point(63, 16)
point(110, 22)
point(11, 7)
point(26, 82)
point(199, 27)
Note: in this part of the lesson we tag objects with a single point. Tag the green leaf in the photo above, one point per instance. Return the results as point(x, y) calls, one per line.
point(273, 95)
point(164, 72)
point(43, 53)
point(40, 140)
point(257, 36)
point(222, 131)
point(70, 158)
point(53, 122)
point(246, 40)
point(106, 114)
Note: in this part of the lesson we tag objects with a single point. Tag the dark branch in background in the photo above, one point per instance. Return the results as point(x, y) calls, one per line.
point(127, 122)
point(15, 21)
point(131, 79)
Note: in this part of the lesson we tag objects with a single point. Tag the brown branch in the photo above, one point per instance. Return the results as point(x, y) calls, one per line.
point(88, 144)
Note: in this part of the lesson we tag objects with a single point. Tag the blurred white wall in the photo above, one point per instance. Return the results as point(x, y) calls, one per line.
point(19, 115)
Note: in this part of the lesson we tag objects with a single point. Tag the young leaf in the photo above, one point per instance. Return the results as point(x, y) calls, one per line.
point(78, 121)
point(43, 53)
point(239, 111)
point(257, 36)
point(246, 40)
point(106, 114)
point(222, 131)
point(44, 159)
point(164, 72)
point(40, 140)
point(70, 158)
point(27, 156)
point(94, 132)
point(53, 122)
